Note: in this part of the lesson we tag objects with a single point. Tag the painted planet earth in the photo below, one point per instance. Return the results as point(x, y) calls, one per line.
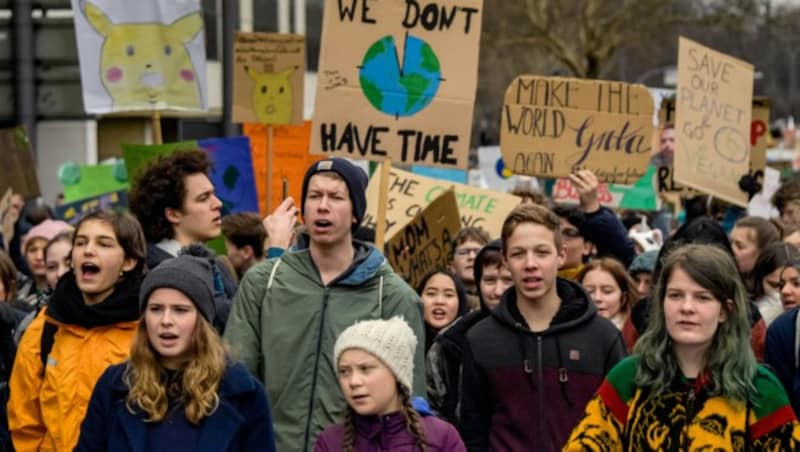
point(400, 90)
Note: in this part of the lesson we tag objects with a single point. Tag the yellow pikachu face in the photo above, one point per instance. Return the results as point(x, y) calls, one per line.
point(147, 63)
point(272, 96)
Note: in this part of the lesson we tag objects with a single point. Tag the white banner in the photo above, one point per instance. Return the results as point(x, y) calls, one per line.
point(141, 55)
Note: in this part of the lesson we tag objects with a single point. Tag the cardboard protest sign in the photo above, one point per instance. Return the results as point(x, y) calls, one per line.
point(715, 93)
point(142, 55)
point(453, 175)
point(609, 195)
point(553, 126)
point(409, 194)
point(426, 243)
point(88, 181)
point(642, 195)
point(268, 74)
point(290, 159)
point(5, 202)
point(138, 156)
point(7, 220)
point(494, 174)
point(18, 171)
point(759, 129)
point(231, 173)
point(397, 79)
point(74, 212)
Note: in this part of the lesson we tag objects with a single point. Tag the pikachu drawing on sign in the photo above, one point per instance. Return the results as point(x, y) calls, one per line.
point(147, 64)
point(272, 95)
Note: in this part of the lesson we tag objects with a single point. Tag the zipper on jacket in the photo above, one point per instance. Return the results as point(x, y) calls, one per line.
point(540, 389)
point(316, 368)
point(689, 416)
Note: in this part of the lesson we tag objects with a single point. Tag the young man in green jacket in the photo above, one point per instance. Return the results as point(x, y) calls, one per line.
point(289, 310)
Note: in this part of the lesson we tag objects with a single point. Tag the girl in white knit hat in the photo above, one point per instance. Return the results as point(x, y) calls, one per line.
point(375, 365)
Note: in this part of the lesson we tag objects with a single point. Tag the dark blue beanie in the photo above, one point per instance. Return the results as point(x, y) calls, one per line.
point(354, 177)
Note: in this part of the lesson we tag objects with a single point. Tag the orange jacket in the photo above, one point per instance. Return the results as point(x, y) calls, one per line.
point(45, 412)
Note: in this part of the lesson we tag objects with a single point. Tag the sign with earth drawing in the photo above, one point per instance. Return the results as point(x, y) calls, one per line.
point(397, 79)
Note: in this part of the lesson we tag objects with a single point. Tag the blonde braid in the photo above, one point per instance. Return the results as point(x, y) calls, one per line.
point(413, 419)
point(349, 438)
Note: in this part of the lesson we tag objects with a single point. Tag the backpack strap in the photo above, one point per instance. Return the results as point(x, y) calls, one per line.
point(46, 342)
point(272, 274)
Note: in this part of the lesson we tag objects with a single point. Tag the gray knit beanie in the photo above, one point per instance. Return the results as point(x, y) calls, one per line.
point(392, 341)
point(191, 273)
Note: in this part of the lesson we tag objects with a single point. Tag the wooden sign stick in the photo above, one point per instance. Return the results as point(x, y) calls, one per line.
point(269, 169)
point(157, 138)
point(383, 200)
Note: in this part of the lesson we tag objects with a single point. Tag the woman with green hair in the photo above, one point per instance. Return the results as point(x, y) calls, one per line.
point(693, 382)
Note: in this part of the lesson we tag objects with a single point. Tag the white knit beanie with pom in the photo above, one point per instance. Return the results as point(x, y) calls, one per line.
point(392, 341)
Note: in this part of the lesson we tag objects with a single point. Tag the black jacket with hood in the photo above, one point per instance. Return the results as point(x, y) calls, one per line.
point(445, 357)
point(525, 390)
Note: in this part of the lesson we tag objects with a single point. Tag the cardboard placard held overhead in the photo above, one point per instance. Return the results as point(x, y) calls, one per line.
point(143, 55)
point(232, 171)
point(712, 128)
point(74, 212)
point(410, 193)
point(17, 171)
point(290, 159)
point(426, 243)
point(397, 79)
point(268, 74)
point(759, 130)
point(81, 182)
point(553, 126)
point(609, 195)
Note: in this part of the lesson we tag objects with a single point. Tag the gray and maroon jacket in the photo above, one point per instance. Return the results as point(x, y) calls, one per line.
point(526, 391)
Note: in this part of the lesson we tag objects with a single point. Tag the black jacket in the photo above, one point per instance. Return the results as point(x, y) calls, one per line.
point(521, 387)
point(445, 357)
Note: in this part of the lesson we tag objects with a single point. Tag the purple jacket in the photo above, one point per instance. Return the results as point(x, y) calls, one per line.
point(389, 433)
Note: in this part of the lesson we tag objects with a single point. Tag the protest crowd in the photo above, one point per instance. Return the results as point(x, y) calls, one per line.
point(369, 307)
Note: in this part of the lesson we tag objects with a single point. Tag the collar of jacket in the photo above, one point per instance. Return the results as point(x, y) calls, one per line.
point(367, 262)
point(67, 306)
point(576, 308)
point(386, 425)
point(217, 430)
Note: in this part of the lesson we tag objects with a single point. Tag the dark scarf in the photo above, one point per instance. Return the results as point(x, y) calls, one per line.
point(67, 305)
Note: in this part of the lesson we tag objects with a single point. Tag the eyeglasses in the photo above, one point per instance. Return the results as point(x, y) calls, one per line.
point(571, 233)
point(464, 252)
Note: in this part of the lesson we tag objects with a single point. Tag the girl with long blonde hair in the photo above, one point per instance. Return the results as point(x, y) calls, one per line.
point(179, 391)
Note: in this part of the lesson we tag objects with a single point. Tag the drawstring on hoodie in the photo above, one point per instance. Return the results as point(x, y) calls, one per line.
point(380, 297)
point(563, 378)
point(526, 364)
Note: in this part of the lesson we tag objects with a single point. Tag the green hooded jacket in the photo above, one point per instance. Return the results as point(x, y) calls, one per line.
point(284, 323)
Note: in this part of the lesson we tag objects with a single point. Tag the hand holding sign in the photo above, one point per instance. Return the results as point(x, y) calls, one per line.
point(280, 224)
point(585, 182)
